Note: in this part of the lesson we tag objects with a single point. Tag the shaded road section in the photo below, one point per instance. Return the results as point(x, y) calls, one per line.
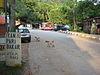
point(70, 56)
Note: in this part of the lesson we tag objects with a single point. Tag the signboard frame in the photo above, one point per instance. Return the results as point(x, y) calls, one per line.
point(13, 49)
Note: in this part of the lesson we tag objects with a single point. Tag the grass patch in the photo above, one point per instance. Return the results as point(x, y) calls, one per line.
point(6, 70)
point(80, 31)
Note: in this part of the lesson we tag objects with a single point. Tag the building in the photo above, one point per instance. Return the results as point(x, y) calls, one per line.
point(3, 27)
point(89, 22)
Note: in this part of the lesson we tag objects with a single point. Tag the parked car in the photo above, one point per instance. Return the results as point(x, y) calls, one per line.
point(25, 34)
point(46, 28)
point(57, 27)
point(66, 27)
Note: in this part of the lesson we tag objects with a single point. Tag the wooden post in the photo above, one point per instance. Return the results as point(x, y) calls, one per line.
point(12, 26)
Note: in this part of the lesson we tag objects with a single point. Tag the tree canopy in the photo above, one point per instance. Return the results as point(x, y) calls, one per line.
point(56, 11)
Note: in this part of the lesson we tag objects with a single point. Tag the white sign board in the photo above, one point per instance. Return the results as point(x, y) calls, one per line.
point(13, 49)
point(2, 40)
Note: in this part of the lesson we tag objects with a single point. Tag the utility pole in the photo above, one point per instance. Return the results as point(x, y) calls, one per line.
point(12, 26)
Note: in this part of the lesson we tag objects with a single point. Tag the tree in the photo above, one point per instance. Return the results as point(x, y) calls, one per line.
point(21, 9)
point(25, 11)
point(84, 10)
point(56, 11)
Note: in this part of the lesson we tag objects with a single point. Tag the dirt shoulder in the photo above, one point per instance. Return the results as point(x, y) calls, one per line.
point(23, 70)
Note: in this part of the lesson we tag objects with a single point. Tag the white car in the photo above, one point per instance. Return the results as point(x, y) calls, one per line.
point(25, 34)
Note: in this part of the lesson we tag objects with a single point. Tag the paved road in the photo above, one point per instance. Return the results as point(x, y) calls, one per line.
point(70, 56)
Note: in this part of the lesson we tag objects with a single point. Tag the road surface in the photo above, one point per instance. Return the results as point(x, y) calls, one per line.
point(70, 56)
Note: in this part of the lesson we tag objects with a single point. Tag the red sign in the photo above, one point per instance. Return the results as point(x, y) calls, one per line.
point(3, 27)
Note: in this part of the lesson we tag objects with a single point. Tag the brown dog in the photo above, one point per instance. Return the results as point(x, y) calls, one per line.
point(37, 38)
point(50, 43)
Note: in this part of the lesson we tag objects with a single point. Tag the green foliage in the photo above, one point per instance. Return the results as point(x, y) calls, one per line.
point(1, 11)
point(24, 11)
point(42, 10)
point(97, 10)
point(62, 14)
point(56, 11)
point(21, 9)
point(84, 10)
point(67, 11)
point(10, 70)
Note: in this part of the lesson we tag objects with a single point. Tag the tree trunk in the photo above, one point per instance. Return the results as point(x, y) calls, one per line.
point(12, 27)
